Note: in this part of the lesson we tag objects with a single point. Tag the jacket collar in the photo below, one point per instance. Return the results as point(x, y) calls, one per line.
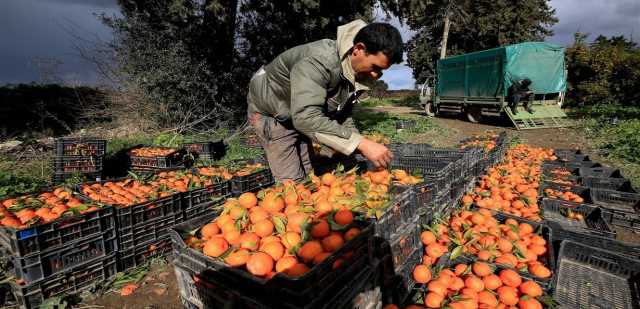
point(344, 41)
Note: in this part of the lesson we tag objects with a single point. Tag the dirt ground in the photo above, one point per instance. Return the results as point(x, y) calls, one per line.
point(159, 289)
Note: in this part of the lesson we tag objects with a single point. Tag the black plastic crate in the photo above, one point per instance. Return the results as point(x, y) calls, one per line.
point(571, 157)
point(602, 171)
point(143, 253)
point(566, 153)
point(80, 147)
point(59, 178)
point(194, 198)
point(132, 236)
point(196, 292)
point(398, 283)
point(151, 211)
point(202, 209)
point(616, 200)
point(614, 184)
point(425, 195)
point(589, 277)
point(401, 245)
point(82, 164)
point(574, 164)
point(296, 291)
point(402, 208)
point(405, 124)
point(464, 159)
point(556, 211)
point(322, 165)
point(443, 206)
point(255, 181)
point(210, 150)
point(46, 264)
point(433, 170)
point(63, 232)
point(620, 247)
point(81, 278)
point(170, 160)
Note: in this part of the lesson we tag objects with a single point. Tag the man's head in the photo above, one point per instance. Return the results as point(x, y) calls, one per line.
point(526, 82)
point(375, 48)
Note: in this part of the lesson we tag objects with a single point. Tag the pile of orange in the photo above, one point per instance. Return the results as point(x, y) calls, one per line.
point(476, 285)
point(152, 151)
point(563, 195)
point(479, 234)
point(291, 227)
point(512, 186)
point(486, 141)
point(28, 210)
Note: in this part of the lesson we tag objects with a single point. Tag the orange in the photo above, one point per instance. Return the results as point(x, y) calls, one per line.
point(351, 233)
point(477, 219)
point(215, 247)
point(209, 230)
point(456, 284)
point(247, 200)
point(321, 257)
point(327, 179)
point(433, 300)
point(538, 249)
point(343, 217)
point(296, 221)
point(437, 287)
point(529, 303)
point(435, 250)
point(485, 255)
point(309, 250)
point(460, 269)
point(263, 228)
point(510, 278)
point(427, 238)
point(539, 270)
point(323, 207)
point(249, 241)
point(320, 229)
point(487, 298)
point(237, 258)
point(297, 270)
point(268, 239)
point(504, 245)
point(286, 263)
point(422, 274)
point(260, 264)
point(482, 269)
point(531, 288)
point(291, 239)
point(237, 212)
point(258, 214)
point(474, 283)
point(332, 242)
point(273, 203)
point(508, 295)
point(525, 229)
point(275, 249)
point(492, 282)
point(232, 237)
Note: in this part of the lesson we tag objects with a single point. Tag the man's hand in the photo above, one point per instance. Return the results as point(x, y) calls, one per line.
point(376, 153)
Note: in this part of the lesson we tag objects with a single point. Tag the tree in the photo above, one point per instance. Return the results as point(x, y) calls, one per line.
point(474, 25)
point(180, 52)
point(379, 89)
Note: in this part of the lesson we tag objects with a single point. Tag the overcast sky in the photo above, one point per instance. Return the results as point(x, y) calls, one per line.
point(38, 29)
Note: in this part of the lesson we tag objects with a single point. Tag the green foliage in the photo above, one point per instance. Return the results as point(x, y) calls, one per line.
point(622, 141)
point(379, 89)
point(475, 25)
point(604, 72)
point(237, 151)
point(119, 144)
point(370, 123)
point(11, 184)
point(169, 140)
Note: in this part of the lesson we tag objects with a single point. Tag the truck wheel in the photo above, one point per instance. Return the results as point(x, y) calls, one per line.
point(474, 114)
point(429, 109)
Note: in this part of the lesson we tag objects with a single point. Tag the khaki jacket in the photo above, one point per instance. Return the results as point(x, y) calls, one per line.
point(313, 86)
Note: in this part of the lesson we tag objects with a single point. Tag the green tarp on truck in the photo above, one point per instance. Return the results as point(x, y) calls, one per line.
point(490, 73)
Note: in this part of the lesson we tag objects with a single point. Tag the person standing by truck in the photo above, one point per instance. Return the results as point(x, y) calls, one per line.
point(518, 91)
point(306, 95)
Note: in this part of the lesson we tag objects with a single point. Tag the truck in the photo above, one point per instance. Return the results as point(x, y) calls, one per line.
point(476, 84)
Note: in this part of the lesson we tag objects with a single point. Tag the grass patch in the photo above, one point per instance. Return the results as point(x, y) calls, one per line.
point(409, 101)
point(383, 123)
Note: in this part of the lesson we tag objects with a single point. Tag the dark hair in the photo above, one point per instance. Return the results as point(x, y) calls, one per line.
point(526, 82)
point(381, 37)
